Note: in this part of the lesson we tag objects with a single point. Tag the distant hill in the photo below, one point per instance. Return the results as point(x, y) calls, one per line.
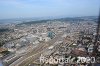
point(34, 20)
point(71, 19)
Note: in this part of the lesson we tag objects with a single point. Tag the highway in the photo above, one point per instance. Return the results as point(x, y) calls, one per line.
point(34, 53)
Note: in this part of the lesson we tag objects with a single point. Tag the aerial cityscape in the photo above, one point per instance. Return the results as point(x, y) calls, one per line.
point(50, 37)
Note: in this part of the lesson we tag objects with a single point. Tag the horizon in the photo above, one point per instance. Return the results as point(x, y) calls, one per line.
point(20, 20)
point(48, 17)
point(45, 8)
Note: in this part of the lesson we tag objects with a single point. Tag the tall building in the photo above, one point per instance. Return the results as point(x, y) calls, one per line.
point(51, 34)
point(97, 38)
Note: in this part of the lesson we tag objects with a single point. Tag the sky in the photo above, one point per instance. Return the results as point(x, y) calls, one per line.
point(46, 8)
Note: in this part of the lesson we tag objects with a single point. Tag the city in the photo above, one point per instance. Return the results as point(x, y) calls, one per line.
point(25, 42)
point(49, 33)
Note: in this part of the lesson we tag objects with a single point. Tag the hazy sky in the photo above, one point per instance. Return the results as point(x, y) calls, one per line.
point(44, 8)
